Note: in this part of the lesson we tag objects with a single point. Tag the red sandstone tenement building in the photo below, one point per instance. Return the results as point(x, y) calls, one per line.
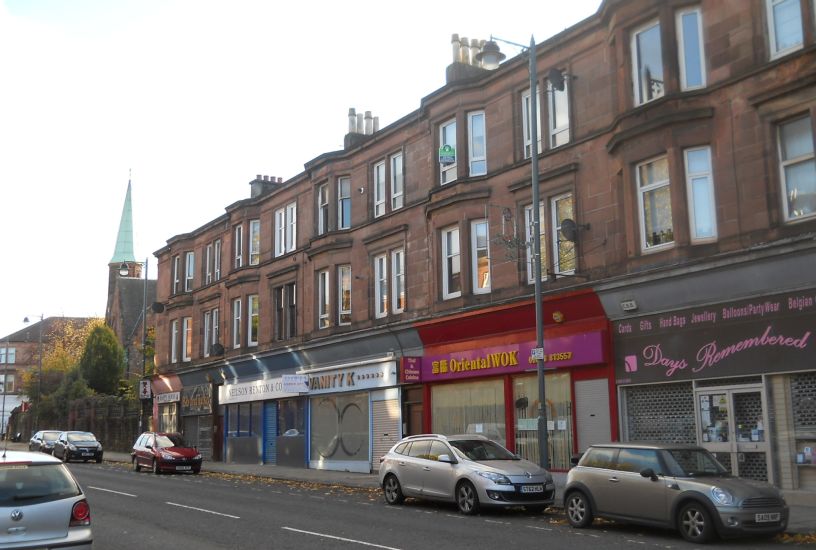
point(677, 180)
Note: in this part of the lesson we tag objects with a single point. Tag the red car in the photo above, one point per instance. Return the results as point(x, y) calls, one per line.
point(164, 452)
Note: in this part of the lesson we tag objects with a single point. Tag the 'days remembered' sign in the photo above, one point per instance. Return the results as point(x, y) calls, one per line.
point(562, 351)
point(763, 335)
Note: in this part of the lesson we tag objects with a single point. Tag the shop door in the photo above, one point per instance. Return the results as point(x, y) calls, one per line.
point(731, 422)
point(270, 439)
point(592, 412)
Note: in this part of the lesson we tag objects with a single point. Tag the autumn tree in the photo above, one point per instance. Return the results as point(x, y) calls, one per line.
point(103, 360)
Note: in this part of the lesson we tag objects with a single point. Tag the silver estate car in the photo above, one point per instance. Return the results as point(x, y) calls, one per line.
point(677, 486)
point(41, 504)
point(470, 470)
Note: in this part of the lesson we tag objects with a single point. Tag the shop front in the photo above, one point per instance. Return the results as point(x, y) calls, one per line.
point(484, 380)
point(353, 415)
point(257, 415)
point(736, 377)
point(166, 400)
point(197, 419)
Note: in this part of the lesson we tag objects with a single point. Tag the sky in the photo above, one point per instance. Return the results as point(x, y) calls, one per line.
point(191, 99)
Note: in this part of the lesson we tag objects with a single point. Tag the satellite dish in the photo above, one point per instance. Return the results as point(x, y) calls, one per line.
point(217, 349)
point(556, 79)
point(157, 307)
point(569, 229)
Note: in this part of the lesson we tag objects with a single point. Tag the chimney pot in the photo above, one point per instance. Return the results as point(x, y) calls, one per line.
point(464, 51)
point(352, 121)
point(376, 124)
point(360, 123)
point(258, 177)
point(369, 123)
point(455, 47)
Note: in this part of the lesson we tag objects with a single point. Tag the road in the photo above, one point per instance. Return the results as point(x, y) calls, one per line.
point(141, 510)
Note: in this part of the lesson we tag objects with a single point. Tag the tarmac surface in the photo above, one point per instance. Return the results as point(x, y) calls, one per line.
point(802, 504)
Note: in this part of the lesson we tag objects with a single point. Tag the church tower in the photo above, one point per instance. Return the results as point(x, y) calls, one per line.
point(122, 254)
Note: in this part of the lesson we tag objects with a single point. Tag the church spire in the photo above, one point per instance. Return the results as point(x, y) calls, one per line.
point(124, 240)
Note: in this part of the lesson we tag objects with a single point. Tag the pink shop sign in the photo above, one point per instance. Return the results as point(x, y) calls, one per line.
point(562, 351)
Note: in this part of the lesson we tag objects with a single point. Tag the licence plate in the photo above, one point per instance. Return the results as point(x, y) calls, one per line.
point(183, 467)
point(87, 454)
point(762, 518)
point(532, 488)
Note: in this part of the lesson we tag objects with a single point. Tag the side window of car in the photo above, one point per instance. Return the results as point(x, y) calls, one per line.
point(637, 460)
point(420, 449)
point(599, 457)
point(438, 449)
point(149, 442)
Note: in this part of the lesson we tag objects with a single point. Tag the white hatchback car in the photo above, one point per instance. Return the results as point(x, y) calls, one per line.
point(41, 504)
point(470, 470)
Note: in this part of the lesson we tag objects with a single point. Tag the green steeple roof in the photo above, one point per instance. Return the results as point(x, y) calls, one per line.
point(124, 240)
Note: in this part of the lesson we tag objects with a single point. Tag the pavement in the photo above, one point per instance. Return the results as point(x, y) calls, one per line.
point(802, 504)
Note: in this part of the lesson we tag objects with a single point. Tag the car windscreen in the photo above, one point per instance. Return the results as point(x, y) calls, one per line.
point(78, 438)
point(480, 450)
point(172, 440)
point(694, 463)
point(33, 483)
point(50, 436)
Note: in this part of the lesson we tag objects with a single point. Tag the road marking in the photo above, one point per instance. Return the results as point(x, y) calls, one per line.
point(202, 510)
point(539, 528)
point(635, 541)
point(340, 538)
point(111, 491)
point(454, 516)
point(494, 521)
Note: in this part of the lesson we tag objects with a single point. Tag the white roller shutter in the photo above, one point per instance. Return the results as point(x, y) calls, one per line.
point(386, 429)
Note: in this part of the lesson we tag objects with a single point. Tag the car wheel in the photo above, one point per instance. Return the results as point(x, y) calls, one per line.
point(156, 469)
point(66, 457)
point(466, 498)
point(136, 466)
point(579, 510)
point(392, 490)
point(694, 523)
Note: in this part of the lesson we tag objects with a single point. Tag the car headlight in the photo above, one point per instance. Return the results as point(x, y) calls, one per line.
point(499, 479)
point(167, 456)
point(99, 446)
point(721, 496)
point(197, 457)
point(71, 447)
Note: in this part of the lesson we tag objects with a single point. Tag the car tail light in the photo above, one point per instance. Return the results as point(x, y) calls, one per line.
point(80, 514)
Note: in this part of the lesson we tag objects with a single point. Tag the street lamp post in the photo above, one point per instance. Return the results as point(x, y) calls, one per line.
point(490, 57)
point(124, 271)
point(39, 372)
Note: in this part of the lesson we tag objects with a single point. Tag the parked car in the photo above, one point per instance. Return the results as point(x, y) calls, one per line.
point(78, 445)
point(165, 452)
point(41, 504)
point(43, 441)
point(680, 487)
point(470, 470)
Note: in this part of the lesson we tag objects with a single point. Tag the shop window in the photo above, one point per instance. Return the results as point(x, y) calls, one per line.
point(470, 408)
point(559, 417)
point(339, 427)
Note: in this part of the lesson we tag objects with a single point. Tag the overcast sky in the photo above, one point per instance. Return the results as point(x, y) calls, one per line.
point(196, 97)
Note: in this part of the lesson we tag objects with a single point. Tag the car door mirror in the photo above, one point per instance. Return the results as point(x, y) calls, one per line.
point(447, 458)
point(648, 472)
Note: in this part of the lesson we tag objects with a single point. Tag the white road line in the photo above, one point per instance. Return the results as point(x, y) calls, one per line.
point(454, 516)
point(111, 491)
point(202, 510)
point(635, 541)
point(539, 528)
point(494, 521)
point(340, 538)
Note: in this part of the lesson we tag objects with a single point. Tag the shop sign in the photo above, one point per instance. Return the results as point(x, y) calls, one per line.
point(171, 397)
point(196, 400)
point(561, 351)
point(764, 335)
point(411, 371)
point(295, 383)
point(257, 390)
point(354, 378)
